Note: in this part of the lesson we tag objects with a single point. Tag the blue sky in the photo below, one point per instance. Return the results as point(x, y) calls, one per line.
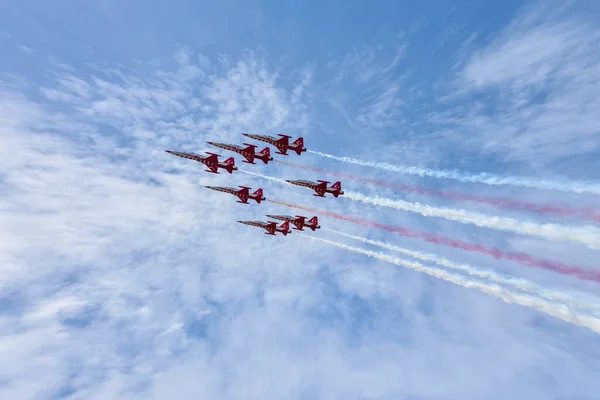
point(122, 277)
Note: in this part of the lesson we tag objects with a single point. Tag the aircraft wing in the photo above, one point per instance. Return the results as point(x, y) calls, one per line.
point(214, 158)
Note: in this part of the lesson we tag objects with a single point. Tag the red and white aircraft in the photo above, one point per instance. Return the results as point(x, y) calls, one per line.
point(321, 188)
point(243, 194)
point(299, 221)
point(283, 144)
point(249, 152)
point(211, 162)
point(270, 226)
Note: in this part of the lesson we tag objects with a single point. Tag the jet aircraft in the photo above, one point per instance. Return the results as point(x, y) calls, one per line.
point(249, 153)
point(270, 226)
point(298, 221)
point(211, 162)
point(283, 144)
point(321, 188)
point(243, 194)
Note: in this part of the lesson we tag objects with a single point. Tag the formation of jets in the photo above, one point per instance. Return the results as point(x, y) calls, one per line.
point(250, 154)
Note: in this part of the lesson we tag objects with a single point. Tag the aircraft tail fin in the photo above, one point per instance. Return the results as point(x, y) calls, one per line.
point(285, 227)
point(265, 155)
point(230, 165)
point(299, 145)
point(258, 195)
point(266, 151)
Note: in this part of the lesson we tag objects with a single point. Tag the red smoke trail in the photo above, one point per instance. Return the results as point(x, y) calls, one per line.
point(498, 254)
point(590, 214)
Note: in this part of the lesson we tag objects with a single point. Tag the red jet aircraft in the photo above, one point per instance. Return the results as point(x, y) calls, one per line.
point(249, 152)
point(212, 161)
point(270, 226)
point(321, 188)
point(299, 221)
point(283, 144)
point(243, 193)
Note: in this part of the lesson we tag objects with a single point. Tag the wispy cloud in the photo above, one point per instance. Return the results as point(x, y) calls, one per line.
point(103, 230)
point(535, 88)
point(124, 278)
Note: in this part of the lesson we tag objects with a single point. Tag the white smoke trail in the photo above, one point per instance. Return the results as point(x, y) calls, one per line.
point(270, 178)
point(587, 235)
point(559, 311)
point(488, 179)
point(521, 284)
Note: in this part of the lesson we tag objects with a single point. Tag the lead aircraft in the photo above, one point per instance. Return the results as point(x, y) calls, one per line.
point(249, 152)
point(283, 144)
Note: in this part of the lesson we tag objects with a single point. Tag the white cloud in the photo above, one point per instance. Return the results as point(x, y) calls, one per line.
point(532, 93)
point(125, 279)
point(377, 103)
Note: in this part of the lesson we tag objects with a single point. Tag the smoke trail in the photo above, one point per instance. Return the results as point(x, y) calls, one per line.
point(270, 178)
point(488, 179)
point(523, 259)
point(587, 213)
point(521, 284)
point(590, 236)
point(559, 311)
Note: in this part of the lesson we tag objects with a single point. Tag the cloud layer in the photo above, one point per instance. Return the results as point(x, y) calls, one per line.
point(122, 277)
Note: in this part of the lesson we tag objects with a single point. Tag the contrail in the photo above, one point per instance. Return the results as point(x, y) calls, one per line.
point(521, 284)
point(589, 235)
point(270, 178)
point(523, 259)
point(488, 179)
point(586, 213)
point(559, 311)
